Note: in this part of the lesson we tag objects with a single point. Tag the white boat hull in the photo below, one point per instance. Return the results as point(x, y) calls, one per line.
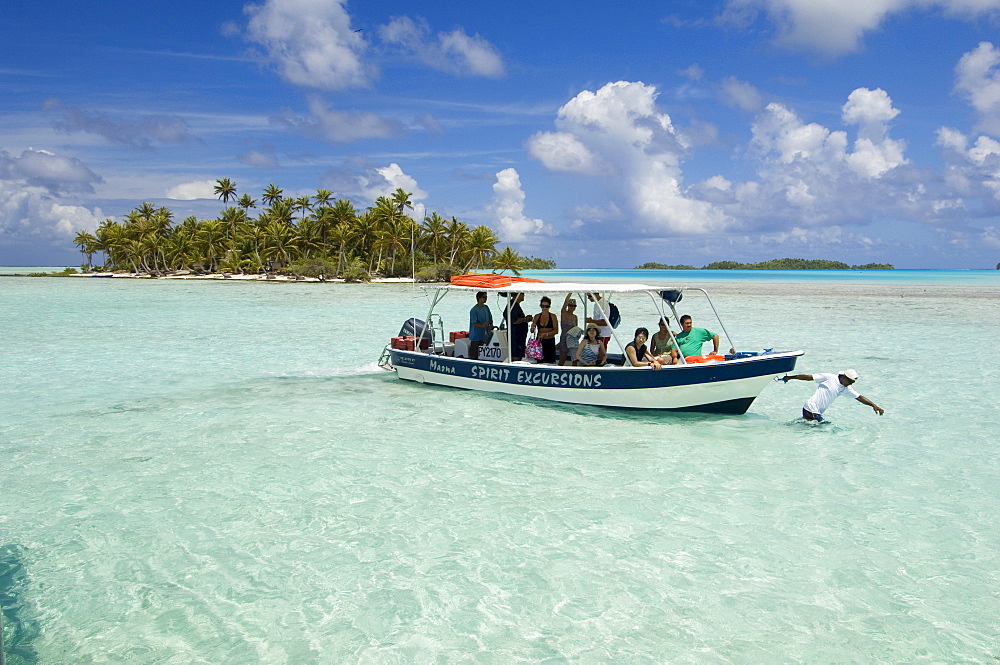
point(722, 387)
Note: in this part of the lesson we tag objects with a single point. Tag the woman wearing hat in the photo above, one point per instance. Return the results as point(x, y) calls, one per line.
point(568, 321)
point(831, 386)
point(591, 351)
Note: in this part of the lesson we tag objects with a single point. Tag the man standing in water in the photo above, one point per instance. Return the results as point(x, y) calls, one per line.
point(830, 388)
point(480, 322)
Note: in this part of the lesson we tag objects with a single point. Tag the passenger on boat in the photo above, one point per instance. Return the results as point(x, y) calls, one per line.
point(567, 320)
point(664, 350)
point(637, 353)
point(691, 339)
point(591, 352)
point(600, 317)
point(544, 325)
point(518, 325)
point(480, 322)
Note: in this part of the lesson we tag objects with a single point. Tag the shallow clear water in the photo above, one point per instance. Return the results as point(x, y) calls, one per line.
point(205, 472)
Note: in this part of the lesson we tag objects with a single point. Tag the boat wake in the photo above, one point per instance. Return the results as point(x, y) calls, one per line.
point(333, 372)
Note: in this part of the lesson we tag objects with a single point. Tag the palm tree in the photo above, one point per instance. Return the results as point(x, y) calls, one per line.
point(179, 250)
point(225, 189)
point(480, 246)
point(365, 234)
point(508, 259)
point(281, 210)
point(340, 236)
point(272, 193)
point(303, 205)
point(212, 237)
point(435, 231)
point(111, 238)
point(401, 198)
point(323, 197)
point(457, 233)
point(88, 246)
point(344, 213)
point(279, 241)
point(246, 202)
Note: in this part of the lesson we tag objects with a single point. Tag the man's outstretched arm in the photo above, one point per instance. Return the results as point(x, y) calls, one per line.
point(867, 402)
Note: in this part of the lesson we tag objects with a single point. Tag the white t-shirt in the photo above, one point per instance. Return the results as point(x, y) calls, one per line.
point(830, 388)
point(602, 311)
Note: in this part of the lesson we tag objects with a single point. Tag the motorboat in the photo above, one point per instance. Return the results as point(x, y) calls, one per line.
point(424, 353)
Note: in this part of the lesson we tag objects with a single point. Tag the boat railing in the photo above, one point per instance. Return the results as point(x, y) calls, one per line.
point(434, 325)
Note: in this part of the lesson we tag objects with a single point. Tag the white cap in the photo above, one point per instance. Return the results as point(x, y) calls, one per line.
point(850, 374)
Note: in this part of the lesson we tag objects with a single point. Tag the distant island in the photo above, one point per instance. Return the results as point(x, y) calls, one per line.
point(773, 264)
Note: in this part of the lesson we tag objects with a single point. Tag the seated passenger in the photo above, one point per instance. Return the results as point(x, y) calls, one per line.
point(691, 339)
point(591, 351)
point(637, 353)
point(664, 350)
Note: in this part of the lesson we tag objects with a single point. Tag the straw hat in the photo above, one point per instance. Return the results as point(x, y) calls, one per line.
point(594, 326)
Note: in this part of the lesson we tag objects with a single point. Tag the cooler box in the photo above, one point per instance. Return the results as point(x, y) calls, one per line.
point(457, 335)
point(409, 343)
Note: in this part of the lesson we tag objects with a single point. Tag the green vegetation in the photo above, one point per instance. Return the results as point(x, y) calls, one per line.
point(774, 264)
point(307, 236)
point(531, 263)
point(65, 272)
point(653, 265)
point(874, 266)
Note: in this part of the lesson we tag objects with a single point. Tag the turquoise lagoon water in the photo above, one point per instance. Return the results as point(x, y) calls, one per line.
point(894, 277)
point(208, 472)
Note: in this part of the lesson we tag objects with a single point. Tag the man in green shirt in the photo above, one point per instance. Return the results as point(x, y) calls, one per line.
point(690, 339)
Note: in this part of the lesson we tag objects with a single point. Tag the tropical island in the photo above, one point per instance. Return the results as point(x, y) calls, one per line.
point(304, 237)
point(773, 264)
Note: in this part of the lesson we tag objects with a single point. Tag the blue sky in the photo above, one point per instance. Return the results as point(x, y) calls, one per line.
point(601, 135)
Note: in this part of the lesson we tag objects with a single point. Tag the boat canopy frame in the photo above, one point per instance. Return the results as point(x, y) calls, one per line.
point(659, 295)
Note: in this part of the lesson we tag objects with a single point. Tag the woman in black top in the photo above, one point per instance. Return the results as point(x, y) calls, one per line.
point(637, 353)
point(547, 328)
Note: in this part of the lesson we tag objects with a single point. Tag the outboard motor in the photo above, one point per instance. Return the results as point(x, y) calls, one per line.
point(414, 327)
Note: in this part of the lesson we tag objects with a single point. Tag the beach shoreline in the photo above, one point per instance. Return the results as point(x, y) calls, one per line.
point(734, 287)
point(727, 288)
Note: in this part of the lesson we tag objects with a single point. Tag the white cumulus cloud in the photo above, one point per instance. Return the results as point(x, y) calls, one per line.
point(978, 79)
point(454, 52)
point(835, 27)
point(562, 151)
point(32, 214)
point(189, 191)
point(42, 168)
point(311, 43)
point(619, 132)
point(508, 209)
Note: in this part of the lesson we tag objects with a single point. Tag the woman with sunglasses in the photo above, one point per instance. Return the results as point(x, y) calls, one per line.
point(544, 325)
point(567, 321)
point(637, 353)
